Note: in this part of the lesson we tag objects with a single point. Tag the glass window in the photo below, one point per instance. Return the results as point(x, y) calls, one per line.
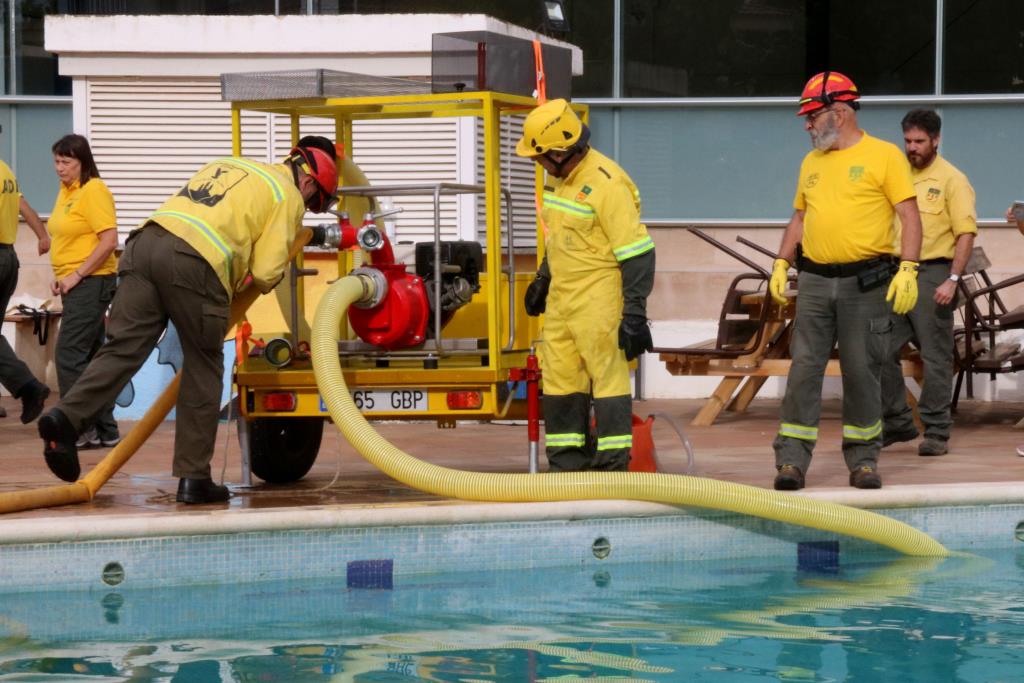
point(694, 48)
point(35, 69)
point(592, 29)
point(983, 46)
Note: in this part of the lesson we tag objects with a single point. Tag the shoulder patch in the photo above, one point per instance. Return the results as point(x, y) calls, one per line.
point(606, 173)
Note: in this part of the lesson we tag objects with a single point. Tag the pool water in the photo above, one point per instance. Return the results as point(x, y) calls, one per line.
point(867, 618)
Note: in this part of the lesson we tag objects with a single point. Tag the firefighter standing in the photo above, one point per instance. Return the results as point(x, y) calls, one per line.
point(849, 187)
point(945, 199)
point(14, 374)
point(592, 286)
point(234, 219)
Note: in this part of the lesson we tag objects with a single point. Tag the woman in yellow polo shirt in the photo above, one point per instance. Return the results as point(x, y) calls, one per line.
point(83, 231)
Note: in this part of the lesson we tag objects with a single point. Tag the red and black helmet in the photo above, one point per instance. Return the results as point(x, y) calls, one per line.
point(825, 88)
point(322, 168)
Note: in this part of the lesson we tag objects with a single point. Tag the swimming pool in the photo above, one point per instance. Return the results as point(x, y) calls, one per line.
point(874, 617)
point(659, 595)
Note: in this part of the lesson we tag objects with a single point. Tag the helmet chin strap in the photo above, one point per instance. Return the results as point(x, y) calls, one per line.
point(576, 151)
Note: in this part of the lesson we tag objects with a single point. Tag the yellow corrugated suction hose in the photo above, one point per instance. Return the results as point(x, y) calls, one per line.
point(661, 488)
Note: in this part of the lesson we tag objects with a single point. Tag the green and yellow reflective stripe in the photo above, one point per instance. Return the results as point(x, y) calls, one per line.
point(796, 431)
point(205, 229)
point(862, 433)
point(568, 206)
point(607, 443)
point(268, 178)
point(567, 439)
point(641, 246)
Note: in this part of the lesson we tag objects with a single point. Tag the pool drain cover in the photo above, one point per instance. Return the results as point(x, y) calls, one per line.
point(113, 573)
point(601, 548)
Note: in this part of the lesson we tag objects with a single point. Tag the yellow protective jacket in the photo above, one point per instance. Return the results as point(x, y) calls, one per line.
point(593, 222)
point(241, 216)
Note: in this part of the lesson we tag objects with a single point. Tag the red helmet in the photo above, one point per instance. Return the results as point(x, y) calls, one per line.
point(824, 89)
point(322, 168)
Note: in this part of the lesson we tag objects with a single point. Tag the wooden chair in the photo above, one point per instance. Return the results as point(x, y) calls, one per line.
point(981, 345)
point(741, 324)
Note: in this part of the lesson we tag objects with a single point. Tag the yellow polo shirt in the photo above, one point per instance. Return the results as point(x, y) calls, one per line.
point(945, 199)
point(241, 216)
point(10, 205)
point(848, 196)
point(79, 214)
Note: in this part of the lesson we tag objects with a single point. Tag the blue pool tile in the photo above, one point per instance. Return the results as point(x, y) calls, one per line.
point(371, 574)
point(818, 556)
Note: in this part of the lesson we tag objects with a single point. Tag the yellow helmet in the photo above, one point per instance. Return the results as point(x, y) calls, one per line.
point(551, 126)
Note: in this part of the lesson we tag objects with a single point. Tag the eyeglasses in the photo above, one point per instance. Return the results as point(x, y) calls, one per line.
point(813, 117)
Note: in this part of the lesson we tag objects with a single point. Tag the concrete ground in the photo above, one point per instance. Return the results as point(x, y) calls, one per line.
point(737, 448)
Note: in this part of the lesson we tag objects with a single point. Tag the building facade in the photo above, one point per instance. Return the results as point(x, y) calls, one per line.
point(695, 99)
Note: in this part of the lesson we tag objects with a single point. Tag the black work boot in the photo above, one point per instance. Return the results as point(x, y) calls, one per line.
point(933, 446)
point(789, 478)
point(59, 449)
point(32, 396)
point(889, 438)
point(198, 491)
point(865, 477)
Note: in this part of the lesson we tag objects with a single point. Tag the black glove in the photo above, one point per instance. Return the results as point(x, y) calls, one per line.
point(634, 335)
point(537, 295)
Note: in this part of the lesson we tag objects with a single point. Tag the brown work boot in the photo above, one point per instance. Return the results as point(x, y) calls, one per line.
point(789, 478)
point(865, 477)
point(931, 446)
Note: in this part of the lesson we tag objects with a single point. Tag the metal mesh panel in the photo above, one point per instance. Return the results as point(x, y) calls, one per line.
point(283, 85)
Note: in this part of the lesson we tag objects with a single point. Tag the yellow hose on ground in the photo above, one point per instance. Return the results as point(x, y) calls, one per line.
point(660, 488)
point(83, 490)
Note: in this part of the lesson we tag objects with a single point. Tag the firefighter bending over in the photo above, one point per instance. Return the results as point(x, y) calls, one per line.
point(232, 224)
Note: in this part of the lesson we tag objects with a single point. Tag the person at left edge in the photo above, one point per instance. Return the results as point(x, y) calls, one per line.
point(233, 220)
point(83, 226)
point(14, 374)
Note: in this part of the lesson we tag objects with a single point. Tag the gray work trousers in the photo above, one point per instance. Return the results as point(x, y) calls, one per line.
point(163, 278)
point(930, 327)
point(82, 330)
point(831, 310)
point(14, 374)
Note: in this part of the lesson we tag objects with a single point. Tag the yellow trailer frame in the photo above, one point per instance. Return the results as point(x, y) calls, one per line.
point(495, 318)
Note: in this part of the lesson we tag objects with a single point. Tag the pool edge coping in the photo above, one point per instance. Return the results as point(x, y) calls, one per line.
point(206, 522)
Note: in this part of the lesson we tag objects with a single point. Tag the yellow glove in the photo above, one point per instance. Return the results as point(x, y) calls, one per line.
point(903, 288)
point(780, 279)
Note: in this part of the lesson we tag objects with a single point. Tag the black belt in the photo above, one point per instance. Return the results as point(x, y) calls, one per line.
point(840, 269)
point(937, 260)
point(6, 246)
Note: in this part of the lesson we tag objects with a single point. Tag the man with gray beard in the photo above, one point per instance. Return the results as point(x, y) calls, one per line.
point(841, 239)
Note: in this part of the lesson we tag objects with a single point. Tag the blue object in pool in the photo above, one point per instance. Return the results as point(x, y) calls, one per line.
point(370, 574)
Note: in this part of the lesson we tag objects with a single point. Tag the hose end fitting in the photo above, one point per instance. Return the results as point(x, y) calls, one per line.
point(375, 287)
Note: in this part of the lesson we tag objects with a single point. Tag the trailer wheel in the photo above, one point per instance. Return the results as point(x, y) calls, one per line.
point(282, 450)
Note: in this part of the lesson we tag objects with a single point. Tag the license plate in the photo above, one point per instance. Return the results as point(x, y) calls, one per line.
point(390, 400)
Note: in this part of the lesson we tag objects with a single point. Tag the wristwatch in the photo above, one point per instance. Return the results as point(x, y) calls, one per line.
point(954, 277)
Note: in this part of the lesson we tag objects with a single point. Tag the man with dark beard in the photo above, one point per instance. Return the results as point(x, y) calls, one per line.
point(841, 238)
point(945, 199)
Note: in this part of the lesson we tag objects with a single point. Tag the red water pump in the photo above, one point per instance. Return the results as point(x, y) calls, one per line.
point(401, 314)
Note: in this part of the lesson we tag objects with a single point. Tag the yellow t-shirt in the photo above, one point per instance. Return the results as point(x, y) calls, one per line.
point(10, 205)
point(241, 216)
point(79, 214)
point(945, 199)
point(848, 195)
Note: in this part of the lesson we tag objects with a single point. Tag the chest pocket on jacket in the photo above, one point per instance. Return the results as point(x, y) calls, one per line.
point(571, 223)
point(932, 209)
